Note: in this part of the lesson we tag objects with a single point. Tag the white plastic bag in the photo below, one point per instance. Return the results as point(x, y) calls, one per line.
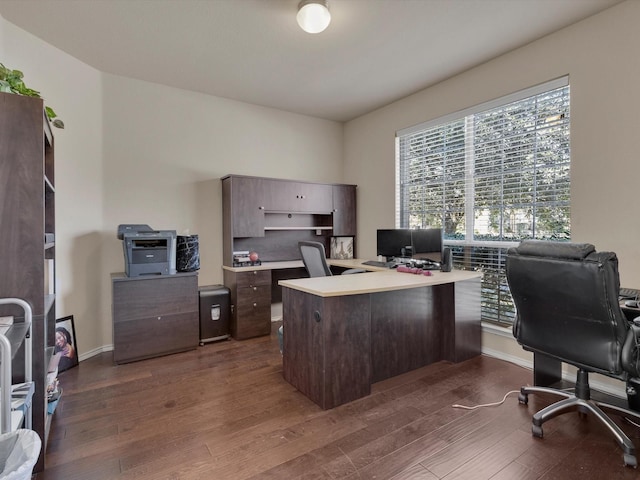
point(19, 452)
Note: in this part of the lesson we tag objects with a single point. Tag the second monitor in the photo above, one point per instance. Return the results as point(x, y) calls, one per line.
point(404, 242)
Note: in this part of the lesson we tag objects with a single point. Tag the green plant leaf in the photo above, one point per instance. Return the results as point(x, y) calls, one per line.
point(11, 82)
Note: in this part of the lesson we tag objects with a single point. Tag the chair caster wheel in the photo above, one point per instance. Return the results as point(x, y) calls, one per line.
point(523, 399)
point(536, 431)
point(630, 461)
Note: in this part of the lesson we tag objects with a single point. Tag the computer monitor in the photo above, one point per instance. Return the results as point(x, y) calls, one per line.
point(393, 242)
point(427, 243)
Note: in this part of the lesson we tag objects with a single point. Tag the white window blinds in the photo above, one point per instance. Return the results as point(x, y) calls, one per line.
point(489, 177)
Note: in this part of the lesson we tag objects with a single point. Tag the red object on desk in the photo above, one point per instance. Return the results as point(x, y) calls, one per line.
point(415, 271)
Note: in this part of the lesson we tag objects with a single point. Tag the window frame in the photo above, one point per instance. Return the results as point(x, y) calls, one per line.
point(465, 247)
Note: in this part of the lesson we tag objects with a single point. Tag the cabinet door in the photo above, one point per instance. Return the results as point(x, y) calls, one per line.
point(247, 207)
point(344, 210)
point(298, 197)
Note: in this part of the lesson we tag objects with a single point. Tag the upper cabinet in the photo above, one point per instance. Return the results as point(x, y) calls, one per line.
point(344, 210)
point(270, 215)
point(244, 205)
point(297, 197)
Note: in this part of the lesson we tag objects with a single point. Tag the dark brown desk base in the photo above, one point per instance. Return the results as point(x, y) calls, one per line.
point(336, 347)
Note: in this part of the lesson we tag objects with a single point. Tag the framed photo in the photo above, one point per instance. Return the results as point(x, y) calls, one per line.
point(65, 347)
point(342, 248)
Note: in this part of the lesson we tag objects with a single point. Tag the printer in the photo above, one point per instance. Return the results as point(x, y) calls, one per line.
point(148, 251)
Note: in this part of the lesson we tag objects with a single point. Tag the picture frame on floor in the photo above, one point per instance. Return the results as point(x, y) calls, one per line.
point(66, 347)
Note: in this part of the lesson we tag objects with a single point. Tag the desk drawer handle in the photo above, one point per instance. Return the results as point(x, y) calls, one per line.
point(317, 316)
point(255, 289)
point(255, 305)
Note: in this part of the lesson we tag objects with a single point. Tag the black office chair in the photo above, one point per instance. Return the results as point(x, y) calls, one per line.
point(567, 308)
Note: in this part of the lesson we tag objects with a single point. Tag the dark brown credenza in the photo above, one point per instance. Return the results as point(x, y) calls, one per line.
point(154, 315)
point(343, 333)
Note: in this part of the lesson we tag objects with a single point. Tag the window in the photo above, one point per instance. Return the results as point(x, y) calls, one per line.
point(490, 176)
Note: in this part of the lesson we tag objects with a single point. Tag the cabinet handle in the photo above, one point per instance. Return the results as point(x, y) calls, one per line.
point(260, 208)
point(255, 272)
point(159, 318)
point(255, 289)
point(255, 305)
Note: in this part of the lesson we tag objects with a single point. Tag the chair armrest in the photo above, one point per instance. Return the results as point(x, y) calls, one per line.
point(630, 355)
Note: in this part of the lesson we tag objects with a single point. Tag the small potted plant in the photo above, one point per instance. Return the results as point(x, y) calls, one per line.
point(11, 82)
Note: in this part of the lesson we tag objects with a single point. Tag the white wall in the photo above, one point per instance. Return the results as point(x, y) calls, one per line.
point(137, 152)
point(73, 90)
point(600, 54)
point(166, 150)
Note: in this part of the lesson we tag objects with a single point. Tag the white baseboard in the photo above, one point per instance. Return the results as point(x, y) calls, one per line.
point(94, 352)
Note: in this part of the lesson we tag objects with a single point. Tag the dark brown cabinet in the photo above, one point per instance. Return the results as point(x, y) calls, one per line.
point(27, 236)
point(296, 197)
point(246, 206)
point(250, 303)
point(344, 210)
point(271, 215)
point(154, 315)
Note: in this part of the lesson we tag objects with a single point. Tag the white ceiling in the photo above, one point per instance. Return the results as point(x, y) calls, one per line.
point(373, 53)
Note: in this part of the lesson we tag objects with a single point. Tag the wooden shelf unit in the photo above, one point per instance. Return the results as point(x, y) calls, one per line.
point(27, 196)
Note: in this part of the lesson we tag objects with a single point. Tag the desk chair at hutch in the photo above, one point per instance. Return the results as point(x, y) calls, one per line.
point(566, 298)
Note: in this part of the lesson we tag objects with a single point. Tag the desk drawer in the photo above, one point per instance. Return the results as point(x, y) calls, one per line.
point(250, 279)
point(252, 312)
point(254, 297)
point(154, 336)
point(252, 322)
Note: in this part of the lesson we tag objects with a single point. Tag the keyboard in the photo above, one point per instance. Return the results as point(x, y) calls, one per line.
point(376, 263)
point(628, 293)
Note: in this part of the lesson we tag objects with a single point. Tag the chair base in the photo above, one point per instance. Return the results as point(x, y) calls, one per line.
point(585, 406)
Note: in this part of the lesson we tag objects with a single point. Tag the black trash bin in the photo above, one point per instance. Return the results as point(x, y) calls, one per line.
point(215, 311)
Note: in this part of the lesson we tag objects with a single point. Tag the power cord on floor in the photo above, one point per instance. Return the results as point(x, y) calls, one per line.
point(497, 403)
point(486, 404)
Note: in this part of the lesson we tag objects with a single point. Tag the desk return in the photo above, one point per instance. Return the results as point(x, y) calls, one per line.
point(343, 333)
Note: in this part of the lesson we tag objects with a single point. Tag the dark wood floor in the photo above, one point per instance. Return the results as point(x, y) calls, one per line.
point(224, 411)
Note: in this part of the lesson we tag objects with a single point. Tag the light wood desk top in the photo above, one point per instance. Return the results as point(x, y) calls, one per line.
point(370, 282)
point(353, 263)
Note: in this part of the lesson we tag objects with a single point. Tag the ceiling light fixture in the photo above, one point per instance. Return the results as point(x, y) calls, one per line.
point(313, 15)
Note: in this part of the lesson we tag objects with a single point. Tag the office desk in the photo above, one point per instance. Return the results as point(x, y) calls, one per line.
point(343, 333)
point(254, 288)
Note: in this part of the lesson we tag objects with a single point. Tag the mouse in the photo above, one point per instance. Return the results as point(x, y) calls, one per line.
point(631, 303)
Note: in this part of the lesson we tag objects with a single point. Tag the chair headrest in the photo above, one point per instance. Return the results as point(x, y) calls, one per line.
point(544, 248)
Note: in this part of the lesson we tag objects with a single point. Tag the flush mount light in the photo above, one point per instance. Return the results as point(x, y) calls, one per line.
point(313, 15)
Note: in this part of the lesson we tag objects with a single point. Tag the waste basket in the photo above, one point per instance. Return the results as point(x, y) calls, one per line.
point(215, 310)
point(19, 453)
